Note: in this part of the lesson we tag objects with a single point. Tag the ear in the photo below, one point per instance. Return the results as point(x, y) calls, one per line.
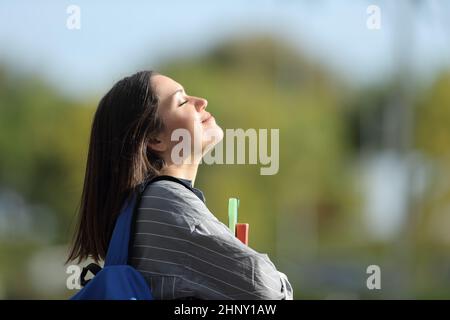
point(157, 144)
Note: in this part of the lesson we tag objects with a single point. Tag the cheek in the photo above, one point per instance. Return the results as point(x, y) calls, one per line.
point(182, 120)
point(186, 121)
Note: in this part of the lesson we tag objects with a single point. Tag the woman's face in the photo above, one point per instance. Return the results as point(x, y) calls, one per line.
point(178, 110)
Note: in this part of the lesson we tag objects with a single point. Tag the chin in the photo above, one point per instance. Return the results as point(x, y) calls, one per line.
point(214, 136)
point(219, 133)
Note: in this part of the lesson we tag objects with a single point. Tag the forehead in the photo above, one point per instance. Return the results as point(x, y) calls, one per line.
point(164, 86)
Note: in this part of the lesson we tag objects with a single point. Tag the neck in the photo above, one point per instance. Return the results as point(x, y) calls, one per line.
point(184, 171)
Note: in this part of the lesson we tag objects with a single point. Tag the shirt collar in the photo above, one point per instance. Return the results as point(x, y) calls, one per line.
point(188, 184)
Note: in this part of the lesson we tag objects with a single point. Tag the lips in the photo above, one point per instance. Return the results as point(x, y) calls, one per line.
point(207, 117)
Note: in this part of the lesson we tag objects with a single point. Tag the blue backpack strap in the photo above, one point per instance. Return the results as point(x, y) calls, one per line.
point(117, 253)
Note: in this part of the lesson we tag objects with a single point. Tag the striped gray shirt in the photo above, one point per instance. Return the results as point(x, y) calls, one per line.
point(184, 251)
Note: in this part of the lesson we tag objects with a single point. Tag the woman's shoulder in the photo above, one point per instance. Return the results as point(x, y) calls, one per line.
point(165, 186)
point(170, 191)
point(176, 199)
point(172, 203)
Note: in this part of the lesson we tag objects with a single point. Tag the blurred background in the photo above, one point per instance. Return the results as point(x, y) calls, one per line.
point(363, 114)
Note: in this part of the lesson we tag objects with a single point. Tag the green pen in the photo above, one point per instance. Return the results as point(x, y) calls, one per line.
point(233, 204)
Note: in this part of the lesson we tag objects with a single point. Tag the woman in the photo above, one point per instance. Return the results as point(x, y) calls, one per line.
point(178, 245)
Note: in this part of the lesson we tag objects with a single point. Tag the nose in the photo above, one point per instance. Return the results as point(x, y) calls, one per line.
point(201, 103)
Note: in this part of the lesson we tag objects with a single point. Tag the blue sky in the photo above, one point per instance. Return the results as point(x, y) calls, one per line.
point(117, 38)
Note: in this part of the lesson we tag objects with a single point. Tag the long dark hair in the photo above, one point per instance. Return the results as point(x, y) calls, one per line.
point(119, 159)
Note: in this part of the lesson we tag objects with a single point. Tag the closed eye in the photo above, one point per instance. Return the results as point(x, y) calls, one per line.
point(183, 103)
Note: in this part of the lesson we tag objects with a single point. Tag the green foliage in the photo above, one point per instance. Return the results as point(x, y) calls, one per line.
point(311, 207)
point(43, 146)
